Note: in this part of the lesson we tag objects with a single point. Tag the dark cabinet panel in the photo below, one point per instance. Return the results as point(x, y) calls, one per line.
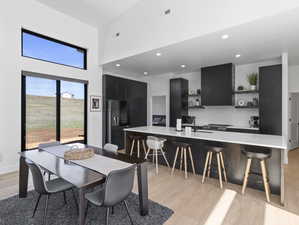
point(178, 99)
point(217, 84)
point(134, 93)
point(270, 85)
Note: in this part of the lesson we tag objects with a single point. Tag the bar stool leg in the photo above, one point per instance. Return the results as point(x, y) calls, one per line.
point(138, 148)
point(156, 152)
point(175, 158)
point(163, 153)
point(144, 148)
point(206, 166)
point(265, 179)
point(223, 167)
point(246, 175)
point(132, 147)
point(146, 155)
point(191, 158)
point(210, 162)
point(219, 170)
point(185, 163)
point(182, 154)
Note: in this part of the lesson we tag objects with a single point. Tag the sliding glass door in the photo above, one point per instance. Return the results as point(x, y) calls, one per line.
point(53, 110)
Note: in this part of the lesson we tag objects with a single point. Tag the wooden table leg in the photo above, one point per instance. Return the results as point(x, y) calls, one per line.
point(82, 205)
point(23, 178)
point(142, 188)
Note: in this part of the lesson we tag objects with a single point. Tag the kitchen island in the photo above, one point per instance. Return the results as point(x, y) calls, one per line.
point(234, 160)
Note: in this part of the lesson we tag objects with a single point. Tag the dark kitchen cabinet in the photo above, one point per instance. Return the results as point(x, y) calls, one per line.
point(270, 100)
point(217, 85)
point(178, 99)
point(134, 93)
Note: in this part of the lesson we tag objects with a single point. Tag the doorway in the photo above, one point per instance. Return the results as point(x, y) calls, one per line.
point(159, 111)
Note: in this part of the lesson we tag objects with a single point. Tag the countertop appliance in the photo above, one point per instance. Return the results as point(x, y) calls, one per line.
point(254, 121)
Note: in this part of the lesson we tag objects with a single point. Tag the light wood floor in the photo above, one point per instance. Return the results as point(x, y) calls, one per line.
point(194, 203)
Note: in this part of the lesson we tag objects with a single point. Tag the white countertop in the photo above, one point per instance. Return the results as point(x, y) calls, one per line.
point(270, 141)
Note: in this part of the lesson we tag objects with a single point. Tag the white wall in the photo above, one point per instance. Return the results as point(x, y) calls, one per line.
point(158, 105)
point(159, 85)
point(294, 78)
point(34, 16)
point(145, 27)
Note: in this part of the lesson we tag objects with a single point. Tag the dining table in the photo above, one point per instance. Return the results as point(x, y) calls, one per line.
point(83, 174)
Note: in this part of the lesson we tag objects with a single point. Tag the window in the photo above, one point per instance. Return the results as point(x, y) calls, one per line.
point(53, 109)
point(44, 48)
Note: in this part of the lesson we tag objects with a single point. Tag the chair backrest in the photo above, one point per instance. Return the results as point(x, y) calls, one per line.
point(155, 142)
point(38, 178)
point(118, 185)
point(49, 144)
point(111, 148)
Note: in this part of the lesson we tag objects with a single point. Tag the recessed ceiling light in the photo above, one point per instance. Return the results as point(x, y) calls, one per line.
point(183, 66)
point(117, 65)
point(145, 73)
point(158, 54)
point(225, 36)
point(237, 55)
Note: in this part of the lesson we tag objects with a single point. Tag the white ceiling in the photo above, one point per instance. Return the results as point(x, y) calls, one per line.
point(93, 12)
point(256, 41)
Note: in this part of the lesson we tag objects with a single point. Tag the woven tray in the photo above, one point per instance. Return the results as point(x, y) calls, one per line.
point(79, 154)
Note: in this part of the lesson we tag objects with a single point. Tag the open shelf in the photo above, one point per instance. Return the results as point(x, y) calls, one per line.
point(196, 107)
point(246, 107)
point(247, 92)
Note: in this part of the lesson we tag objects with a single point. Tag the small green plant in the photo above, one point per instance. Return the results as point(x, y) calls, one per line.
point(252, 78)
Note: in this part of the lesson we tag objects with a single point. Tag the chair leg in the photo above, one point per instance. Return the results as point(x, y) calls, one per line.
point(163, 153)
point(144, 148)
point(246, 175)
point(182, 155)
point(49, 176)
point(107, 216)
point(205, 168)
point(146, 155)
point(46, 210)
point(64, 198)
point(185, 163)
point(191, 158)
point(265, 179)
point(75, 200)
point(175, 158)
point(138, 148)
point(210, 162)
point(132, 147)
point(112, 210)
point(36, 205)
point(127, 209)
point(219, 170)
point(156, 153)
point(86, 209)
point(223, 167)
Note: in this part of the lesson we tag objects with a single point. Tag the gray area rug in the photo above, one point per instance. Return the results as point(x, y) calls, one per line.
point(15, 211)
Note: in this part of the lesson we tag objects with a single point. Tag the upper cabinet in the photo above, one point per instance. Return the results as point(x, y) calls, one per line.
point(217, 84)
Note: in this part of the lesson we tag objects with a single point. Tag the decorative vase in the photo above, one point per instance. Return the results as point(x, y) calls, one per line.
point(253, 87)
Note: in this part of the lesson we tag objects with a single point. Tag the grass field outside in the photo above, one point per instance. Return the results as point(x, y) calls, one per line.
point(41, 120)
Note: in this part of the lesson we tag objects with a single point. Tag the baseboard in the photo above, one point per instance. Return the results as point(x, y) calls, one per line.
point(8, 169)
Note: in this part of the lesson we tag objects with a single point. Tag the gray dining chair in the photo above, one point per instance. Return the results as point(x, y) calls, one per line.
point(116, 189)
point(110, 147)
point(45, 145)
point(48, 188)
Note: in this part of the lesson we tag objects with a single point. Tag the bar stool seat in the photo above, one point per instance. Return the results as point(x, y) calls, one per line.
point(183, 147)
point(138, 139)
point(221, 167)
point(260, 154)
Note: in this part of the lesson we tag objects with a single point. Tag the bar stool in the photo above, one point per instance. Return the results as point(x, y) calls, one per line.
point(183, 147)
point(220, 162)
point(138, 139)
point(260, 154)
point(156, 145)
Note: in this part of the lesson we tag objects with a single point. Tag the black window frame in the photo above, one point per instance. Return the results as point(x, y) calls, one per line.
point(84, 50)
point(58, 106)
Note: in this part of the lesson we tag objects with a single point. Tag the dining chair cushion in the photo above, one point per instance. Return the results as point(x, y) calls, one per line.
point(58, 185)
point(96, 197)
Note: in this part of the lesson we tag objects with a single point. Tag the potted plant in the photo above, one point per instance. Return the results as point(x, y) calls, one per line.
point(252, 80)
